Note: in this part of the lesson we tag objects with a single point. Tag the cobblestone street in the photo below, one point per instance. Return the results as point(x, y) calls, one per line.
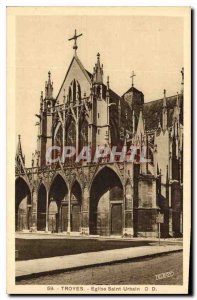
point(138, 272)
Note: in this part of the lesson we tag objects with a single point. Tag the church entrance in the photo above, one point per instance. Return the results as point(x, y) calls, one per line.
point(58, 194)
point(22, 205)
point(106, 202)
point(76, 200)
point(41, 208)
point(116, 219)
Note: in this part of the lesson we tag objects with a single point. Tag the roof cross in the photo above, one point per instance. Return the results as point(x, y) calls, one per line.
point(75, 37)
point(132, 77)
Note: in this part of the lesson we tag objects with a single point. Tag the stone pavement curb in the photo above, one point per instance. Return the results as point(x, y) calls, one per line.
point(53, 265)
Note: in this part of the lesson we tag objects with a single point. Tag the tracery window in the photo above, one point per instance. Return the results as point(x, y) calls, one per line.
point(74, 92)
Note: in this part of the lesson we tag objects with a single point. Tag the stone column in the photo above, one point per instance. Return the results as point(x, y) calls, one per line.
point(155, 160)
point(128, 211)
point(170, 223)
point(60, 219)
point(181, 222)
point(34, 199)
point(47, 211)
point(69, 211)
point(85, 211)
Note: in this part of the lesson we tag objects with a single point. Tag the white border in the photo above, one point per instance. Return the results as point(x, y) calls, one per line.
point(3, 5)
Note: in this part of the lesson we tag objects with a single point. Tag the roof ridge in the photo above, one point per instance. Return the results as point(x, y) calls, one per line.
point(161, 99)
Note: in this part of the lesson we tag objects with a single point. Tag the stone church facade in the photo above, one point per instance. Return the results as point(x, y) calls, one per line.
point(104, 198)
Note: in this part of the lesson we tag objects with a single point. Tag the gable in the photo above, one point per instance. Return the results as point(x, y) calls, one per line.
point(75, 71)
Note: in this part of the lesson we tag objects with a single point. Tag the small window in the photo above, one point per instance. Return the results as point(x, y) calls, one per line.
point(98, 131)
point(98, 115)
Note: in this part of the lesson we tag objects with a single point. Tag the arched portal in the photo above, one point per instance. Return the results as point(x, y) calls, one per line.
point(22, 205)
point(106, 204)
point(41, 208)
point(76, 200)
point(58, 205)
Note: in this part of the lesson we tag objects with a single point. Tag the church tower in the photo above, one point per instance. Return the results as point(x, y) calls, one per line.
point(99, 97)
point(47, 105)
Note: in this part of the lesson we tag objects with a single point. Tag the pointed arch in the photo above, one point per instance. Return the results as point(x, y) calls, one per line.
point(60, 174)
point(113, 168)
point(79, 91)
point(42, 182)
point(22, 204)
point(58, 194)
point(25, 179)
point(76, 179)
point(74, 94)
point(76, 190)
point(58, 187)
point(106, 203)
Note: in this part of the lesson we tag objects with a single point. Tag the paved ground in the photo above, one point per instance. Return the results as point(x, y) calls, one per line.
point(70, 262)
point(40, 248)
point(41, 245)
point(135, 272)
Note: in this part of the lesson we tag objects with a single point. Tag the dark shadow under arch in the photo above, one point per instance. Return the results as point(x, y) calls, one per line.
point(41, 208)
point(58, 205)
point(22, 205)
point(76, 203)
point(106, 203)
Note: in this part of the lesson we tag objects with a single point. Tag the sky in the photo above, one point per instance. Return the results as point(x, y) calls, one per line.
point(152, 47)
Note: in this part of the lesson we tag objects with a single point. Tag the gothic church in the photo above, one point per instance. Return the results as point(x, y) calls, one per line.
point(107, 198)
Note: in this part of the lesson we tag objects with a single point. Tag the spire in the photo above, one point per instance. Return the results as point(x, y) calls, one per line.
point(49, 87)
point(164, 98)
point(41, 100)
point(107, 92)
point(140, 126)
point(20, 158)
point(108, 83)
point(19, 147)
point(164, 112)
point(176, 111)
point(49, 77)
point(98, 71)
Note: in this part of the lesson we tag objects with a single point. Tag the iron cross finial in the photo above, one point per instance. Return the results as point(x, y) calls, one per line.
point(75, 37)
point(132, 77)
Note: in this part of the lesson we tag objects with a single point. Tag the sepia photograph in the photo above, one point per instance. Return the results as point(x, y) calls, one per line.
point(98, 147)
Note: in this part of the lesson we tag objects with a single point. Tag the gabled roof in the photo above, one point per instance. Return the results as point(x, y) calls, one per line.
point(112, 94)
point(86, 73)
point(134, 90)
point(153, 111)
